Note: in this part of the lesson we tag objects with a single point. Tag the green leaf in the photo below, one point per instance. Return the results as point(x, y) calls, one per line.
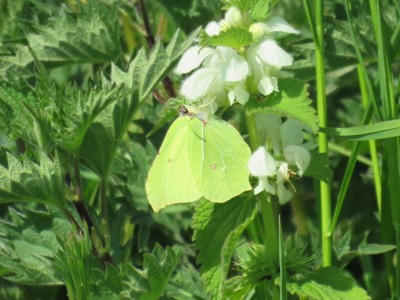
point(73, 262)
point(27, 181)
point(10, 291)
point(319, 167)
point(222, 224)
point(145, 71)
point(291, 101)
point(235, 37)
point(375, 131)
point(22, 115)
point(186, 284)
point(327, 283)
point(29, 242)
point(150, 283)
point(90, 36)
point(260, 9)
point(78, 109)
point(107, 284)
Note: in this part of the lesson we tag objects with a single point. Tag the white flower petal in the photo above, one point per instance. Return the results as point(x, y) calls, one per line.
point(299, 156)
point(235, 68)
point(197, 85)
point(231, 96)
point(267, 85)
point(241, 95)
point(192, 58)
point(213, 28)
point(284, 194)
point(261, 163)
point(272, 54)
point(292, 133)
point(263, 184)
point(233, 17)
point(268, 125)
point(277, 24)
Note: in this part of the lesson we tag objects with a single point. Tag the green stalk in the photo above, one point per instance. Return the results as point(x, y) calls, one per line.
point(391, 146)
point(325, 191)
point(268, 215)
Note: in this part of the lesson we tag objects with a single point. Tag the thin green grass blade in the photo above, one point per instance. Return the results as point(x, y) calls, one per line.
point(282, 265)
point(375, 131)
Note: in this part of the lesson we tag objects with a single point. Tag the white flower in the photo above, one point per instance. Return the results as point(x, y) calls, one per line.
point(233, 18)
point(266, 60)
point(299, 156)
point(221, 77)
point(275, 24)
point(284, 194)
point(273, 174)
point(262, 165)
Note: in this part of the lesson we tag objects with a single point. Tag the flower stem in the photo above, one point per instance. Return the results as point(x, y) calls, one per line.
point(269, 220)
point(325, 191)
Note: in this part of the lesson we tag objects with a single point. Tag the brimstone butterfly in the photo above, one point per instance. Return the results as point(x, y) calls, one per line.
point(198, 158)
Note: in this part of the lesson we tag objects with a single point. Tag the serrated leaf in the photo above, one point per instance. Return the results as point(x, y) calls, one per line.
point(222, 224)
point(107, 284)
point(234, 37)
point(186, 285)
point(145, 71)
point(27, 181)
point(73, 262)
point(149, 283)
point(59, 43)
point(291, 101)
point(319, 167)
point(327, 284)
point(260, 9)
point(23, 116)
point(28, 244)
point(78, 110)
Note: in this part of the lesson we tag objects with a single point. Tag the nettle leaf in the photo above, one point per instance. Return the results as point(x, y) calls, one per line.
point(23, 117)
point(258, 9)
point(145, 71)
point(29, 243)
point(186, 284)
point(291, 101)
point(319, 167)
point(222, 224)
point(235, 37)
point(91, 36)
point(28, 181)
point(327, 283)
point(150, 282)
point(107, 284)
point(73, 262)
point(78, 110)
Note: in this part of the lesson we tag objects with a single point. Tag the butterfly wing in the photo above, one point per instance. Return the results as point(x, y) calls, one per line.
point(224, 160)
point(170, 179)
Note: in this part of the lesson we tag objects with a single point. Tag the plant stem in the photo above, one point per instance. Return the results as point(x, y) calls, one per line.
point(391, 146)
point(325, 192)
point(268, 215)
point(317, 30)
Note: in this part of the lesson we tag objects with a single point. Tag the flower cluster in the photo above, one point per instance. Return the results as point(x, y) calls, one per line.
point(285, 143)
point(224, 75)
